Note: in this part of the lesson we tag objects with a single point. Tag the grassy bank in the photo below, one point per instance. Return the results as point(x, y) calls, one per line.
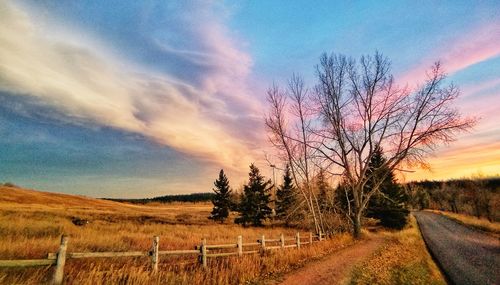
point(403, 260)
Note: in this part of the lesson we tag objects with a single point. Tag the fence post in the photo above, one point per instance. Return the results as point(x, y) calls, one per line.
point(154, 253)
point(203, 249)
point(282, 241)
point(61, 260)
point(310, 237)
point(240, 245)
point(263, 243)
point(297, 240)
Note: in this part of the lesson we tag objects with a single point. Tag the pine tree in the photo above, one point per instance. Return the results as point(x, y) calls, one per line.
point(323, 189)
point(389, 205)
point(344, 198)
point(254, 205)
point(286, 198)
point(221, 199)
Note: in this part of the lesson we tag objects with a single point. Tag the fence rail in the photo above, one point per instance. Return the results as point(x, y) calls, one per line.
point(26, 262)
point(202, 251)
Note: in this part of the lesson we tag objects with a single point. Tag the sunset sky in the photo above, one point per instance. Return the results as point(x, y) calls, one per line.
point(147, 98)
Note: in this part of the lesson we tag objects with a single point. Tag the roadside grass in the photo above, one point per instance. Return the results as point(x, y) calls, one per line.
point(30, 228)
point(471, 221)
point(402, 260)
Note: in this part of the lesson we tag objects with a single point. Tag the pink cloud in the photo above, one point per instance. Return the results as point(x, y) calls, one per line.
point(86, 86)
point(477, 45)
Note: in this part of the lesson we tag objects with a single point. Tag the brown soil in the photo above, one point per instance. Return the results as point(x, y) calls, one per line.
point(334, 268)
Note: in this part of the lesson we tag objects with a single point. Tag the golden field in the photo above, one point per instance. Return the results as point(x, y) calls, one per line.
point(31, 223)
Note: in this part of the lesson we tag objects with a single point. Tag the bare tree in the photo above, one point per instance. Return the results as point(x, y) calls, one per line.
point(358, 107)
point(293, 138)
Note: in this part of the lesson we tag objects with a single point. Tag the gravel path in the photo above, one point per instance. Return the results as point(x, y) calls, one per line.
point(334, 268)
point(467, 256)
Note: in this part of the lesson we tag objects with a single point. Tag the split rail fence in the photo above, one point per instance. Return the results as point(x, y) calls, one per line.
point(202, 252)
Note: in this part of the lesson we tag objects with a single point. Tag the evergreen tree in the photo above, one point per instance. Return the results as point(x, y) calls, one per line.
point(344, 198)
point(389, 204)
point(286, 198)
point(324, 199)
point(221, 199)
point(254, 205)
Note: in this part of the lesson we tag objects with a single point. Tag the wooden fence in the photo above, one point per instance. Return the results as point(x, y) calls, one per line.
point(202, 252)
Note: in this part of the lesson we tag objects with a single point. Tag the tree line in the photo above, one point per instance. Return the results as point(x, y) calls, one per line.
point(390, 206)
point(253, 205)
point(477, 196)
point(193, 198)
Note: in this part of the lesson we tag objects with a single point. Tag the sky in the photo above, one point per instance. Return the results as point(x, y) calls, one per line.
point(145, 98)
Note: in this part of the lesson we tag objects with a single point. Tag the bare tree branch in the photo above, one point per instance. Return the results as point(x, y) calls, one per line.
point(354, 108)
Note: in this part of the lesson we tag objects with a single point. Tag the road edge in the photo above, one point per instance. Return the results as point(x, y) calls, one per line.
point(433, 257)
point(471, 227)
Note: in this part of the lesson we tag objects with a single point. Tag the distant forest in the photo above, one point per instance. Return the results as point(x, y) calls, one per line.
point(491, 183)
point(479, 197)
point(194, 197)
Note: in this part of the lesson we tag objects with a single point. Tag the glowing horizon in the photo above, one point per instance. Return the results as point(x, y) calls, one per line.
point(128, 99)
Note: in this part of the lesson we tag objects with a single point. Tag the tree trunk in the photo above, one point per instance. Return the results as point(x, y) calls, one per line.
point(357, 210)
point(356, 222)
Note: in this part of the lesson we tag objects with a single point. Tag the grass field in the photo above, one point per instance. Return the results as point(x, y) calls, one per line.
point(32, 222)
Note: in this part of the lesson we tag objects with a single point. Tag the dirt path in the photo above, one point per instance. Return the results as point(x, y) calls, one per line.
point(334, 268)
point(467, 256)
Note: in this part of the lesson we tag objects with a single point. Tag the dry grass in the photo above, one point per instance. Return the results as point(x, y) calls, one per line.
point(403, 260)
point(32, 222)
point(471, 221)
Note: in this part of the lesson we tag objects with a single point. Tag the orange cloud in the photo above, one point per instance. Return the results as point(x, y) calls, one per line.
point(477, 151)
point(462, 162)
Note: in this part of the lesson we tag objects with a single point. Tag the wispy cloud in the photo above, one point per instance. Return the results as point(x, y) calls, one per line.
point(476, 151)
point(481, 87)
point(200, 117)
point(476, 45)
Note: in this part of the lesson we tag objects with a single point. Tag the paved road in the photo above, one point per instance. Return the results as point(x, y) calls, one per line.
point(467, 256)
